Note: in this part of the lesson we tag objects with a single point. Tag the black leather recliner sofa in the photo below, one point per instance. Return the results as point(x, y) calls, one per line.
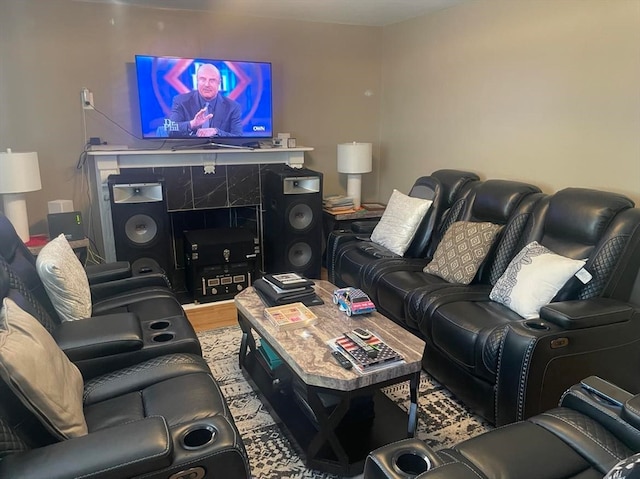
point(134, 318)
point(583, 438)
point(503, 366)
point(164, 418)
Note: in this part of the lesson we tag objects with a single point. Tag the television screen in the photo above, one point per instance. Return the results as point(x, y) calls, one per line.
point(201, 98)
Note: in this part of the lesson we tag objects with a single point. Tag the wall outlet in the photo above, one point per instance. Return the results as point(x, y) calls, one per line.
point(87, 99)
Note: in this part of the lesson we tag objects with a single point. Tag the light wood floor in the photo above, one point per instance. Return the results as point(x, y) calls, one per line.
point(217, 315)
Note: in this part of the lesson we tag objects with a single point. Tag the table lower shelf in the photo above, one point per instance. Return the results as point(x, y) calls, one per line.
point(357, 435)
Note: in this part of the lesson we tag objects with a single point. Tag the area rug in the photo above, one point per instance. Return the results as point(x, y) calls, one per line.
point(442, 420)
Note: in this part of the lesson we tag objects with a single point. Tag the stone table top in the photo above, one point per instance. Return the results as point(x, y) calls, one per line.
point(306, 351)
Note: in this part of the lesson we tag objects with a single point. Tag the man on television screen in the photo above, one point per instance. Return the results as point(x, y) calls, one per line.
point(203, 112)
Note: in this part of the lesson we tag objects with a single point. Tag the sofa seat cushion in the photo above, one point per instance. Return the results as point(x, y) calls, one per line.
point(470, 332)
point(393, 289)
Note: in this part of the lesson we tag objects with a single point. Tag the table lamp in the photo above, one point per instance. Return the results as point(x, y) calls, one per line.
point(19, 174)
point(354, 159)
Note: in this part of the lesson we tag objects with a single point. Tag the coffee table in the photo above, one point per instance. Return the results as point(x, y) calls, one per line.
point(313, 397)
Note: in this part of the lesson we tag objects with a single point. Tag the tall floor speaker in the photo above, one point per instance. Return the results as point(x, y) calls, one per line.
point(141, 228)
point(292, 220)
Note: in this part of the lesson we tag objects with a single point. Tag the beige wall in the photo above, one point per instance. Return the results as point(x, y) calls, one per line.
point(51, 49)
point(546, 91)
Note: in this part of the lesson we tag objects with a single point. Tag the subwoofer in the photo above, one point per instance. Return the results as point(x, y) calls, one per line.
point(141, 226)
point(292, 220)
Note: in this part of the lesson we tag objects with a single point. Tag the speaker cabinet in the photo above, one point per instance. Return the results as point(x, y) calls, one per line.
point(292, 220)
point(141, 226)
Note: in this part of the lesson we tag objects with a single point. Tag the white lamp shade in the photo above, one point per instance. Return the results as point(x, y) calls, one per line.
point(354, 157)
point(19, 172)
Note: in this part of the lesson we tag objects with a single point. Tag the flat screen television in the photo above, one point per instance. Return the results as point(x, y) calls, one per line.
point(204, 99)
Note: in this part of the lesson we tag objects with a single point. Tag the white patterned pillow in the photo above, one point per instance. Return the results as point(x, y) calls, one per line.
point(533, 278)
point(37, 371)
point(462, 250)
point(399, 222)
point(64, 279)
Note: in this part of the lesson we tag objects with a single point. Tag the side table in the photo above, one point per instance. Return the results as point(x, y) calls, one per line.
point(37, 242)
point(336, 221)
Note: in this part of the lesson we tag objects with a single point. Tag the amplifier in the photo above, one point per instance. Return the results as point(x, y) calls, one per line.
point(219, 282)
point(219, 262)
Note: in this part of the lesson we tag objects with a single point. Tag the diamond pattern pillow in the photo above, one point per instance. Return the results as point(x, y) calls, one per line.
point(462, 250)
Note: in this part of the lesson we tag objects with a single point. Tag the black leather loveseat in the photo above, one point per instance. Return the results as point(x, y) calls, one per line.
point(503, 366)
point(583, 438)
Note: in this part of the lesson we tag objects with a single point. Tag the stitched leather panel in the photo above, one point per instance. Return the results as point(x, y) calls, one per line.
point(34, 307)
point(491, 349)
point(602, 438)
point(137, 370)
point(506, 248)
point(601, 267)
point(10, 443)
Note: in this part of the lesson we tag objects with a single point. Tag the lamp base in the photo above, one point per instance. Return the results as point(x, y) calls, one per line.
point(354, 188)
point(15, 209)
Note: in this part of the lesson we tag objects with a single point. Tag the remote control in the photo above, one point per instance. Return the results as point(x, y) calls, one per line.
point(362, 333)
point(342, 360)
point(367, 348)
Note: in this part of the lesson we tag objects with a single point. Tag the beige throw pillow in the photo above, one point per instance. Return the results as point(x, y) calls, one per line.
point(39, 373)
point(64, 279)
point(399, 222)
point(462, 250)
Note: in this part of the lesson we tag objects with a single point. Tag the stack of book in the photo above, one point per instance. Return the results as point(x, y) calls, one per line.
point(286, 288)
point(337, 203)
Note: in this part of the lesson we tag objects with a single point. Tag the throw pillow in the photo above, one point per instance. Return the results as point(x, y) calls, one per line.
point(399, 222)
point(533, 278)
point(39, 373)
point(462, 250)
point(64, 279)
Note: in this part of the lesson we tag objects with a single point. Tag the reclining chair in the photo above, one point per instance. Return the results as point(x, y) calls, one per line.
point(134, 318)
point(164, 418)
point(583, 438)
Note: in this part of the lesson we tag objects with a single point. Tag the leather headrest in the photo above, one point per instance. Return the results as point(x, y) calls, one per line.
point(425, 187)
point(452, 182)
point(497, 200)
point(582, 215)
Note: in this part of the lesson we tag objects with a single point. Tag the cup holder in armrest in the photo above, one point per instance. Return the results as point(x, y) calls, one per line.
point(537, 325)
point(157, 325)
point(198, 436)
point(162, 337)
point(410, 463)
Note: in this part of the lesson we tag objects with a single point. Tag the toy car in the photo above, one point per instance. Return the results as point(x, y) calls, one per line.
point(353, 301)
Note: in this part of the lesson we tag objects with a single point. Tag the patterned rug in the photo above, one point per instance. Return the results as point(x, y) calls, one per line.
point(442, 420)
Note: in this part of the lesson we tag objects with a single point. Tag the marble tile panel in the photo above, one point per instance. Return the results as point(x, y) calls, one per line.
point(177, 180)
point(209, 189)
point(244, 184)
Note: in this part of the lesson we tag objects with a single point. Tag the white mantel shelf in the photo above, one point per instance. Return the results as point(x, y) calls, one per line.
point(109, 162)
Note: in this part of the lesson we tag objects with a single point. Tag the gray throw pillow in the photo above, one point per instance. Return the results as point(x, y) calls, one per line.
point(462, 250)
point(39, 373)
point(64, 279)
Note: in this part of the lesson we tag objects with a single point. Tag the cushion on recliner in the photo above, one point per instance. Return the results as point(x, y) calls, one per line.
point(399, 222)
point(462, 250)
point(39, 373)
point(532, 279)
point(64, 279)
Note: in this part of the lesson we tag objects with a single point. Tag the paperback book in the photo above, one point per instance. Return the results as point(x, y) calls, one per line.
point(290, 316)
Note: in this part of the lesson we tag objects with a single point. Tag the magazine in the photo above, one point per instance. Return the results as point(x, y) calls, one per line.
point(386, 356)
point(290, 316)
point(288, 280)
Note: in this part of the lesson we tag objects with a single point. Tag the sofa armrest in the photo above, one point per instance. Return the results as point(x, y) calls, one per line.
point(99, 336)
point(101, 273)
point(364, 227)
point(586, 313)
point(401, 459)
point(126, 450)
point(113, 288)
